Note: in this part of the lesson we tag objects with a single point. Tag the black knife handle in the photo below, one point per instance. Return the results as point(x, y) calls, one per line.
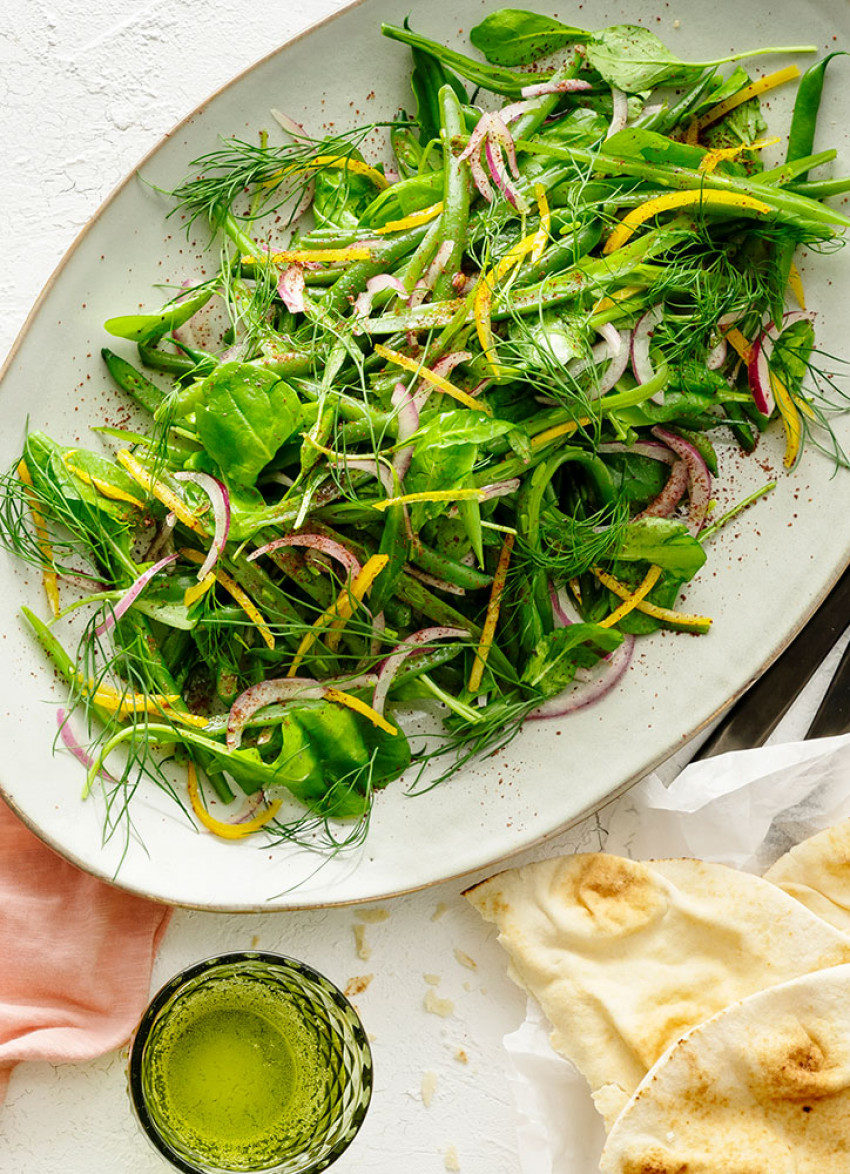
point(754, 717)
point(833, 715)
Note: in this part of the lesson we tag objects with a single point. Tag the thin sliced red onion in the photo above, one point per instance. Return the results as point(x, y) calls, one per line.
point(653, 449)
point(220, 502)
point(665, 502)
point(432, 581)
point(293, 128)
point(500, 488)
point(318, 542)
point(564, 85)
point(277, 690)
point(726, 320)
point(408, 422)
point(620, 115)
point(562, 620)
point(758, 377)
point(128, 599)
point(758, 367)
point(515, 110)
point(439, 263)
point(443, 367)
point(71, 743)
point(290, 288)
point(499, 139)
point(375, 285)
point(612, 336)
point(643, 332)
point(612, 373)
point(716, 357)
point(472, 153)
point(400, 653)
point(699, 477)
point(378, 470)
point(611, 669)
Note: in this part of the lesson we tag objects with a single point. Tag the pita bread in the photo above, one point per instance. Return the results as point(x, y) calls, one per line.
point(817, 872)
point(624, 957)
point(761, 1088)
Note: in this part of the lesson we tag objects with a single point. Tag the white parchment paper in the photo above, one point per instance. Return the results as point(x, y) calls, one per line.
point(744, 810)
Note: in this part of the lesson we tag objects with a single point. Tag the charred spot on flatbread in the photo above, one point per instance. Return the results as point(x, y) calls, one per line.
point(619, 895)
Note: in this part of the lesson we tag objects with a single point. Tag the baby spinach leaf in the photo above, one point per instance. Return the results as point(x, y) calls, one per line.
point(664, 542)
point(634, 59)
point(512, 36)
point(552, 665)
point(148, 327)
point(245, 414)
point(636, 143)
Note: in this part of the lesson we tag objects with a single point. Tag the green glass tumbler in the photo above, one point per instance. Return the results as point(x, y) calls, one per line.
point(250, 1062)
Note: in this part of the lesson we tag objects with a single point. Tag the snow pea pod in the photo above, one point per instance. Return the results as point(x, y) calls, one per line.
point(455, 214)
point(146, 394)
point(801, 136)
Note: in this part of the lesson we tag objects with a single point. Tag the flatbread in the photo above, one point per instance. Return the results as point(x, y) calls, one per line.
point(624, 957)
point(761, 1088)
point(817, 873)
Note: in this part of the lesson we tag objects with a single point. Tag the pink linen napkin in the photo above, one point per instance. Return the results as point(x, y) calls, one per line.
point(75, 955)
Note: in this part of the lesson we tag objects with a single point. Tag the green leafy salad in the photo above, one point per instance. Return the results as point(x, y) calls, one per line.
point(441, 429)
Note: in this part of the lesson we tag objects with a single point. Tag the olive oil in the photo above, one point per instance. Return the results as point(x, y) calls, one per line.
point(249, 1065)
point(235, 1075)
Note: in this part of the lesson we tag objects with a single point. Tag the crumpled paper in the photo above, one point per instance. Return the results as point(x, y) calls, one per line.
point(744, 810)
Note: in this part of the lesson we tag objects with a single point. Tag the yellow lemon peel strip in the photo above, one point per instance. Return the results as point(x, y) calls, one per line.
point(492, 617)
point(665, 203)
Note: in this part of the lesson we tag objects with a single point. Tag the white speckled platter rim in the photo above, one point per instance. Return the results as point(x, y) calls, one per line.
point(765, 576)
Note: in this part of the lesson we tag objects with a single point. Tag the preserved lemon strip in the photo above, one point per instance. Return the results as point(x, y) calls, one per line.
point(435, 380)
point(351, 702)
point(227, 831)
point(769, 82)
point(650, 579)
point(492, 618)
point(682, 619)
point(232, 587)
point(342, 609)
point(48, 578)
point(632, 220)
point(411, 221)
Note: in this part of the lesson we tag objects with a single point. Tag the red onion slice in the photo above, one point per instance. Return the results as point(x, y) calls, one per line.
point(611, 669)
point(377, 284)
point(432, 581)
point(472, 153)
point(620, 114)
point(664, 503)
point(408, 422)
point(220, 502)
point(277, 690)
point(71, 743)
point(377, 469)
point(641, 339)
point(699, 477)
point(564, 85)
point(318, 542)
point(515, 110)
point(614, 370)
point(612, 336)
point(400, 653)
point(290, 288)
point(758, 377)
point(653, 449)
point(439, 263)
point(442, 367)
point(758, 366)
point(128, 599)
point(716, 357)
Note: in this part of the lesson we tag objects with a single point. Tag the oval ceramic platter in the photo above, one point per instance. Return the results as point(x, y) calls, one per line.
point(766, 573)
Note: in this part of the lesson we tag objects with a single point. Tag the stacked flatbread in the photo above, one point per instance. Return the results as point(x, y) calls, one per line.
point(709, 1009)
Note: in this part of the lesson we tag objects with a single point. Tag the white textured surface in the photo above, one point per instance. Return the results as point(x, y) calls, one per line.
point(85, 91)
